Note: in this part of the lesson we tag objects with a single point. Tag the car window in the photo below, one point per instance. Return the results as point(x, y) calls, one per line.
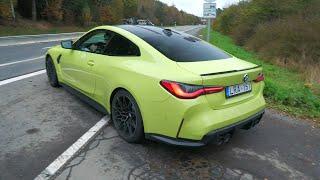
point(121, 46)
point(177, 46)
point(95, 42)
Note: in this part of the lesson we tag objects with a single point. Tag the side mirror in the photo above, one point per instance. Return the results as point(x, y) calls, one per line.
point(66, 44)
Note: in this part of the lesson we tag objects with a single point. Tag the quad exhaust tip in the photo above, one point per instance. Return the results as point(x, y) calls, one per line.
point(224, 138)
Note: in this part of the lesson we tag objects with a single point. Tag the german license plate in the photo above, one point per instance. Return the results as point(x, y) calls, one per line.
point(238, 89)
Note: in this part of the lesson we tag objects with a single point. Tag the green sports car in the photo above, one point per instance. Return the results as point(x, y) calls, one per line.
point(160, 84)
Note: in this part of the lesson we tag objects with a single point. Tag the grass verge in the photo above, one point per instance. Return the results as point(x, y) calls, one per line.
point(285, 89)
point(27, 27)
point(11, 31)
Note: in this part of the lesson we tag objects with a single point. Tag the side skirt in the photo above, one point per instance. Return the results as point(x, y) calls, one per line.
point(174, 141)
point(85, 98)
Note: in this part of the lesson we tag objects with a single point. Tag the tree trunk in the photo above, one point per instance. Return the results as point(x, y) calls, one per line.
point(12, 11)
point(34, 10)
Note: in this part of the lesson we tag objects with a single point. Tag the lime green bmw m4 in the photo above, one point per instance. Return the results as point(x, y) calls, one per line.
point(160, 84)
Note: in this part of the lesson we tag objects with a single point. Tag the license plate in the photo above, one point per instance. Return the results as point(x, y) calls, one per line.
point(238, 89)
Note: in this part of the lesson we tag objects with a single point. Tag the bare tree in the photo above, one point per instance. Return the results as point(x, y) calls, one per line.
point(12, 10)
point(34, 10)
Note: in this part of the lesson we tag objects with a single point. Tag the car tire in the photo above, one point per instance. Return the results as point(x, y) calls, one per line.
point(52, 73)
point(126, 117)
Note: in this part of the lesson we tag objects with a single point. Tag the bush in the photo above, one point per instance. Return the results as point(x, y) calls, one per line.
point(227, 20)
point(86, 16)
point(5, 9)
point(285, 89)
point(291, 38)
point(285, 32)
point(53, 11)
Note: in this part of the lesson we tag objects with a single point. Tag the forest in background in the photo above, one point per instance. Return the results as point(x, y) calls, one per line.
point(283, 32)
point(92, 12)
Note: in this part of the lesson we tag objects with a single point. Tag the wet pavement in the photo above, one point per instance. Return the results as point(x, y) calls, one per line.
point(37, 123)
point(278, 148)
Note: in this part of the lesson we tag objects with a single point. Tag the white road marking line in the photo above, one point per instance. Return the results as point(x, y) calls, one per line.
point(47, 47)
point(54, 40)
point(38, 42)
point(37, 35)
point(22, 61)
point(73, 150)
point(191, 29)
point(7, 81)
point(51, 171)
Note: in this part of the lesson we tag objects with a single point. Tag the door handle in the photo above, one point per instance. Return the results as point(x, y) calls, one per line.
point(90, 63)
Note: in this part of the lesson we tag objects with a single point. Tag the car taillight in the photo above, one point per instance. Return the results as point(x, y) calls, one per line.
point(259, 78)
point(187, 91)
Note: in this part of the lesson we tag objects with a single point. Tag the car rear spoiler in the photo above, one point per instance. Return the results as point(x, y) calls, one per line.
point(226, 72)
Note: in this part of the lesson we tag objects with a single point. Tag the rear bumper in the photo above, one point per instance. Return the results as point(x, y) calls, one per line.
point(211, 137)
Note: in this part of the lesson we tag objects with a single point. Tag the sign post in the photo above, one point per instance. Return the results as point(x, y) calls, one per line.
point(209, 30)
point(209, 12)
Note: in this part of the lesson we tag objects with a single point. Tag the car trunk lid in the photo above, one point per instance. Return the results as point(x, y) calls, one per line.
point(225, 72)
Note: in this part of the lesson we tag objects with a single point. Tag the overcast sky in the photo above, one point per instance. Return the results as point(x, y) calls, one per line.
point(196, 6)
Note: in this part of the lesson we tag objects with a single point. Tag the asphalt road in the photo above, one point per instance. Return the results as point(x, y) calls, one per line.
point(38, 123)
point(33, 53)
point(279, 148)
point(26, 58)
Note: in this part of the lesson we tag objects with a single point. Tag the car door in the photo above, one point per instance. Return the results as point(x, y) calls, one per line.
point(77, 67)
point(109, 65)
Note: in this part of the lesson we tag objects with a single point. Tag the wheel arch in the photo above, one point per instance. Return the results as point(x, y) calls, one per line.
point(54, 57)
point(48, 56)
point(114, 92)
point(117, 89)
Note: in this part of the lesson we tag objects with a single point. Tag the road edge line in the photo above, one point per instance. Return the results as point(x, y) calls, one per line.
point(38, 42)
point(22, 61)
point(190, 29)
point(18, 78)
point(53, 40)
point(51, 171)
point(38, 35)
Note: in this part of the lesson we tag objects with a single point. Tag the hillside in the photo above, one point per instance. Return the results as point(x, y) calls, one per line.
point(285, 33)
point(93, 12)
point(285, 89)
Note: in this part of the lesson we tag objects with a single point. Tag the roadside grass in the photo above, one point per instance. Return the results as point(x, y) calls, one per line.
point(11, 31)
point(26, 27)
point(285, 89)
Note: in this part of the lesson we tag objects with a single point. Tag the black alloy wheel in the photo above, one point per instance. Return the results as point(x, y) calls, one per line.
point(126, 117)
